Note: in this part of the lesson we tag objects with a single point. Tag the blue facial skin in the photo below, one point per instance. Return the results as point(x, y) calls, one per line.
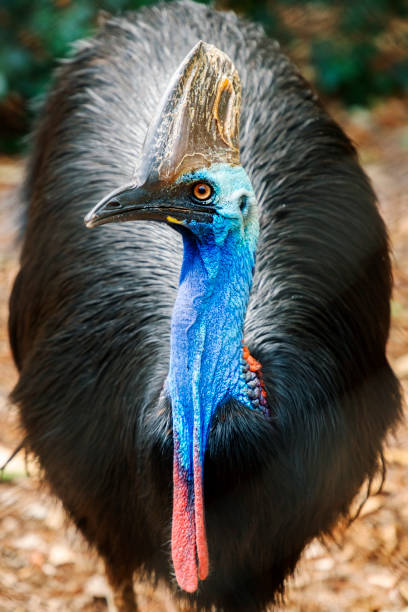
point(209, 312)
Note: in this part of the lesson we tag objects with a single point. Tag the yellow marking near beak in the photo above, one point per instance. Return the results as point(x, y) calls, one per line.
point(173, 220)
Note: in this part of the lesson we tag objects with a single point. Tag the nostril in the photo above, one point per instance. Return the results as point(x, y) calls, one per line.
point(113, 204)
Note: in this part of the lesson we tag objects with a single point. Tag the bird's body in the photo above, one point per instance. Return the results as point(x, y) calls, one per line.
point(104, 335)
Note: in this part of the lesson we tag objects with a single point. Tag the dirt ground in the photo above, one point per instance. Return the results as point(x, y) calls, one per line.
point(44, 564)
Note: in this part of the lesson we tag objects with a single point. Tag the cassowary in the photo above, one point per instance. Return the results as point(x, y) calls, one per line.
point(205, 388)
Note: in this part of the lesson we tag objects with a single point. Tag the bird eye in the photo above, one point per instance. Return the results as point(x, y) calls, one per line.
point(202, 191)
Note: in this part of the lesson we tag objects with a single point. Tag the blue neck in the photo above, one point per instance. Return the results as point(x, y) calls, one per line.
point(205, 370)
point(206, 335)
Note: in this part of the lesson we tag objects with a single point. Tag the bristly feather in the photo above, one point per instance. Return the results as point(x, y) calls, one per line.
point(90, 316)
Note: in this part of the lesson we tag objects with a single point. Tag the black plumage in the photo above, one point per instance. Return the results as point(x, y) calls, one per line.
point(90, 316)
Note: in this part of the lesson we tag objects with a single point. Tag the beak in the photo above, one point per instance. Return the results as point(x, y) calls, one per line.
point(133, 202)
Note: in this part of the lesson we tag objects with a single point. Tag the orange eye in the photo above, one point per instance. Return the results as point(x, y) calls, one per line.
point(202, 191)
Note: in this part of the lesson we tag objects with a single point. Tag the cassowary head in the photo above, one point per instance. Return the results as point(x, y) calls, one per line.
point(190, 173)
point(190, 177)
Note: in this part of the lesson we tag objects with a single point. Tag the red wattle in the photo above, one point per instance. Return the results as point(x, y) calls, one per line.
point(183, 534)
point(201, 539)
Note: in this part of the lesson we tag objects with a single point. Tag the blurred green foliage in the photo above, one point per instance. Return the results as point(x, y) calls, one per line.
point(369, 56)
point(353, 49)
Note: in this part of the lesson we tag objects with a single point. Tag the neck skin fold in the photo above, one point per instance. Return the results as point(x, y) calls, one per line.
point(205, 370)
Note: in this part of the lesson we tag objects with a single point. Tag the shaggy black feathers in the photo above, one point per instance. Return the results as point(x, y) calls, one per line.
point(90, 314)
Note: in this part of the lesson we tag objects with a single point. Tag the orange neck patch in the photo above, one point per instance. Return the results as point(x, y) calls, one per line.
point(256, 367)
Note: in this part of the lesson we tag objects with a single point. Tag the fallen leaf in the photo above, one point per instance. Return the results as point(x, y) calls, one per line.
point(372, 505)
point(396, 455)
point(30, 541)
point(97, 586)
point(60, 554)
point(383, 579)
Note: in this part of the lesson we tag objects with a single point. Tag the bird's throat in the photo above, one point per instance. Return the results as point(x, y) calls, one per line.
point(205, 370)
